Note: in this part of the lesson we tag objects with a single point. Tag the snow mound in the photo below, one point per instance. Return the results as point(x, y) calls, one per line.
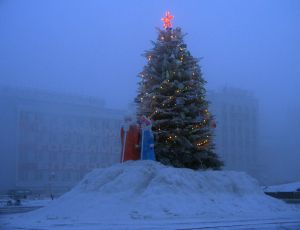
point(149, 190)
point(290, 187)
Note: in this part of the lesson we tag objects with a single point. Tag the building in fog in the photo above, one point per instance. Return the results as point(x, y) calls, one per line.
point(237, 140)
point(292, 137)
point(293, 127)
point(49, 141)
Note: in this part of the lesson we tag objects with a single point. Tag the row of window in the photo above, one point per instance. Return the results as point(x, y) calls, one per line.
point(61, 144)
point(70, 156)
point(49, 177)
point(44, 121)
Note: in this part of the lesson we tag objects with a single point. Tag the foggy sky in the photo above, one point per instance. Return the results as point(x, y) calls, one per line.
point(94, 47)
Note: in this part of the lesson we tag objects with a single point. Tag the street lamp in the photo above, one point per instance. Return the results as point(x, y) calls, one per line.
point(51, 178)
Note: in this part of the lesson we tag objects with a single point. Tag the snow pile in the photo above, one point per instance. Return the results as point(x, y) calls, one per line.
point(290, 187)
point(147, 190)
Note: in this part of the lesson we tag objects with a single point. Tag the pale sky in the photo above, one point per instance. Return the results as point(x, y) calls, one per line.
point(95, 47)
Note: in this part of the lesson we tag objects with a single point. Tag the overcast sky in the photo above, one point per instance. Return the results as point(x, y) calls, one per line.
point(94, 47)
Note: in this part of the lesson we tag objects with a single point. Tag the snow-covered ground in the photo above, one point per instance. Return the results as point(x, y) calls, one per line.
point(290, 187)
point(146, 194)
point(36, 202)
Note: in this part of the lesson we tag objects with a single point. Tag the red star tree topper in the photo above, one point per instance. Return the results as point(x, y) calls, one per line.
point(167, 20)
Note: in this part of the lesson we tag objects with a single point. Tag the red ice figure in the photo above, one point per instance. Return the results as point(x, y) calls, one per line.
point(130, 138)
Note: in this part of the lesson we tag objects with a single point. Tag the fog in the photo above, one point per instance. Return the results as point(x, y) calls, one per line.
point(94, 48)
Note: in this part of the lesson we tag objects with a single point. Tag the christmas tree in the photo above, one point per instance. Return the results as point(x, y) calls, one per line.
point(172, 94)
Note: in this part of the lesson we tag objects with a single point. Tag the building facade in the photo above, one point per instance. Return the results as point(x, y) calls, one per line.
point(237, 134)
point(49, 141)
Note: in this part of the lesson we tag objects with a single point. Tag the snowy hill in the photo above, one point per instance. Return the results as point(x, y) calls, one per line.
point(146, 190)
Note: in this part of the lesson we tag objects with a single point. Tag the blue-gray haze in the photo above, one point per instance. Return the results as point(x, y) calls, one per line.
point(94, 48)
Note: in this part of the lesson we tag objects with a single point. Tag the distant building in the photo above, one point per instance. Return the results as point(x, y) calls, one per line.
point(280, 147)
point(293, 127)
point(237, 140)
point(49, 141)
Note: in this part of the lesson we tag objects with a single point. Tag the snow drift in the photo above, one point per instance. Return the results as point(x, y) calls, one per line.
point(290, 187)
point(148, 190)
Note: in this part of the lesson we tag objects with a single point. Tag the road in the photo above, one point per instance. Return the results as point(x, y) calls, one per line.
point(182, 224)
point(254, 224)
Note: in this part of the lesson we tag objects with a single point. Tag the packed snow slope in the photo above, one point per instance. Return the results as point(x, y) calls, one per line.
point(147, 190)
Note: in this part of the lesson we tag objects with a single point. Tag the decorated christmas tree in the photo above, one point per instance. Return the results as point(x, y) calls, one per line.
point(172, 94)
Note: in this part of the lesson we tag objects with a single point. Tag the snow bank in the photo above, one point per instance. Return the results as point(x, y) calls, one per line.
point(290, 187)
point(147, 190)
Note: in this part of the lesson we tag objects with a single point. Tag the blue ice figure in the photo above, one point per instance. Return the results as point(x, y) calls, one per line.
point(147, 144)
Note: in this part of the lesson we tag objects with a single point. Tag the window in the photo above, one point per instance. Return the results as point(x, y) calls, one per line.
point(38, 176)
point(66, 176)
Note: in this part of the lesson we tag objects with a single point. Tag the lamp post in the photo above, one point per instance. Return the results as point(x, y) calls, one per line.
point(51, 179)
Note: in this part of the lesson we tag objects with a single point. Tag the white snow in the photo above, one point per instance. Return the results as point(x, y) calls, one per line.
point(36, 202)
point(144, 192)
point(290, 187)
